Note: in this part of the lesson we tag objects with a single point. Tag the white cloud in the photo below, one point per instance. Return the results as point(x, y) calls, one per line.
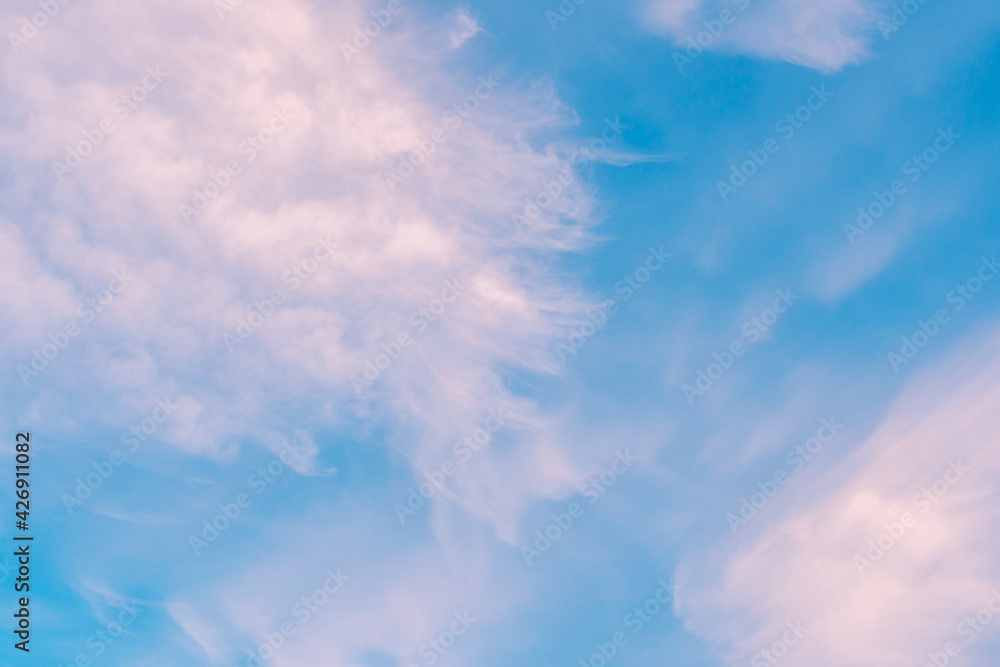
point(465, 27)
point(821, 35)
point(319, 181)
point(798, 565)
point(344, 124)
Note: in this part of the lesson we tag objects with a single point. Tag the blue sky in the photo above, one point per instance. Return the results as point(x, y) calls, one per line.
point(788, 423)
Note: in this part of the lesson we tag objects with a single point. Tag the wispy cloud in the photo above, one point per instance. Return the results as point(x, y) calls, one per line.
point(465, 27)
point(821, 35)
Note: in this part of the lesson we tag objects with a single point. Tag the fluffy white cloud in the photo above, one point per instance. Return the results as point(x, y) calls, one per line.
point(921, 486)
point(279, 148)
